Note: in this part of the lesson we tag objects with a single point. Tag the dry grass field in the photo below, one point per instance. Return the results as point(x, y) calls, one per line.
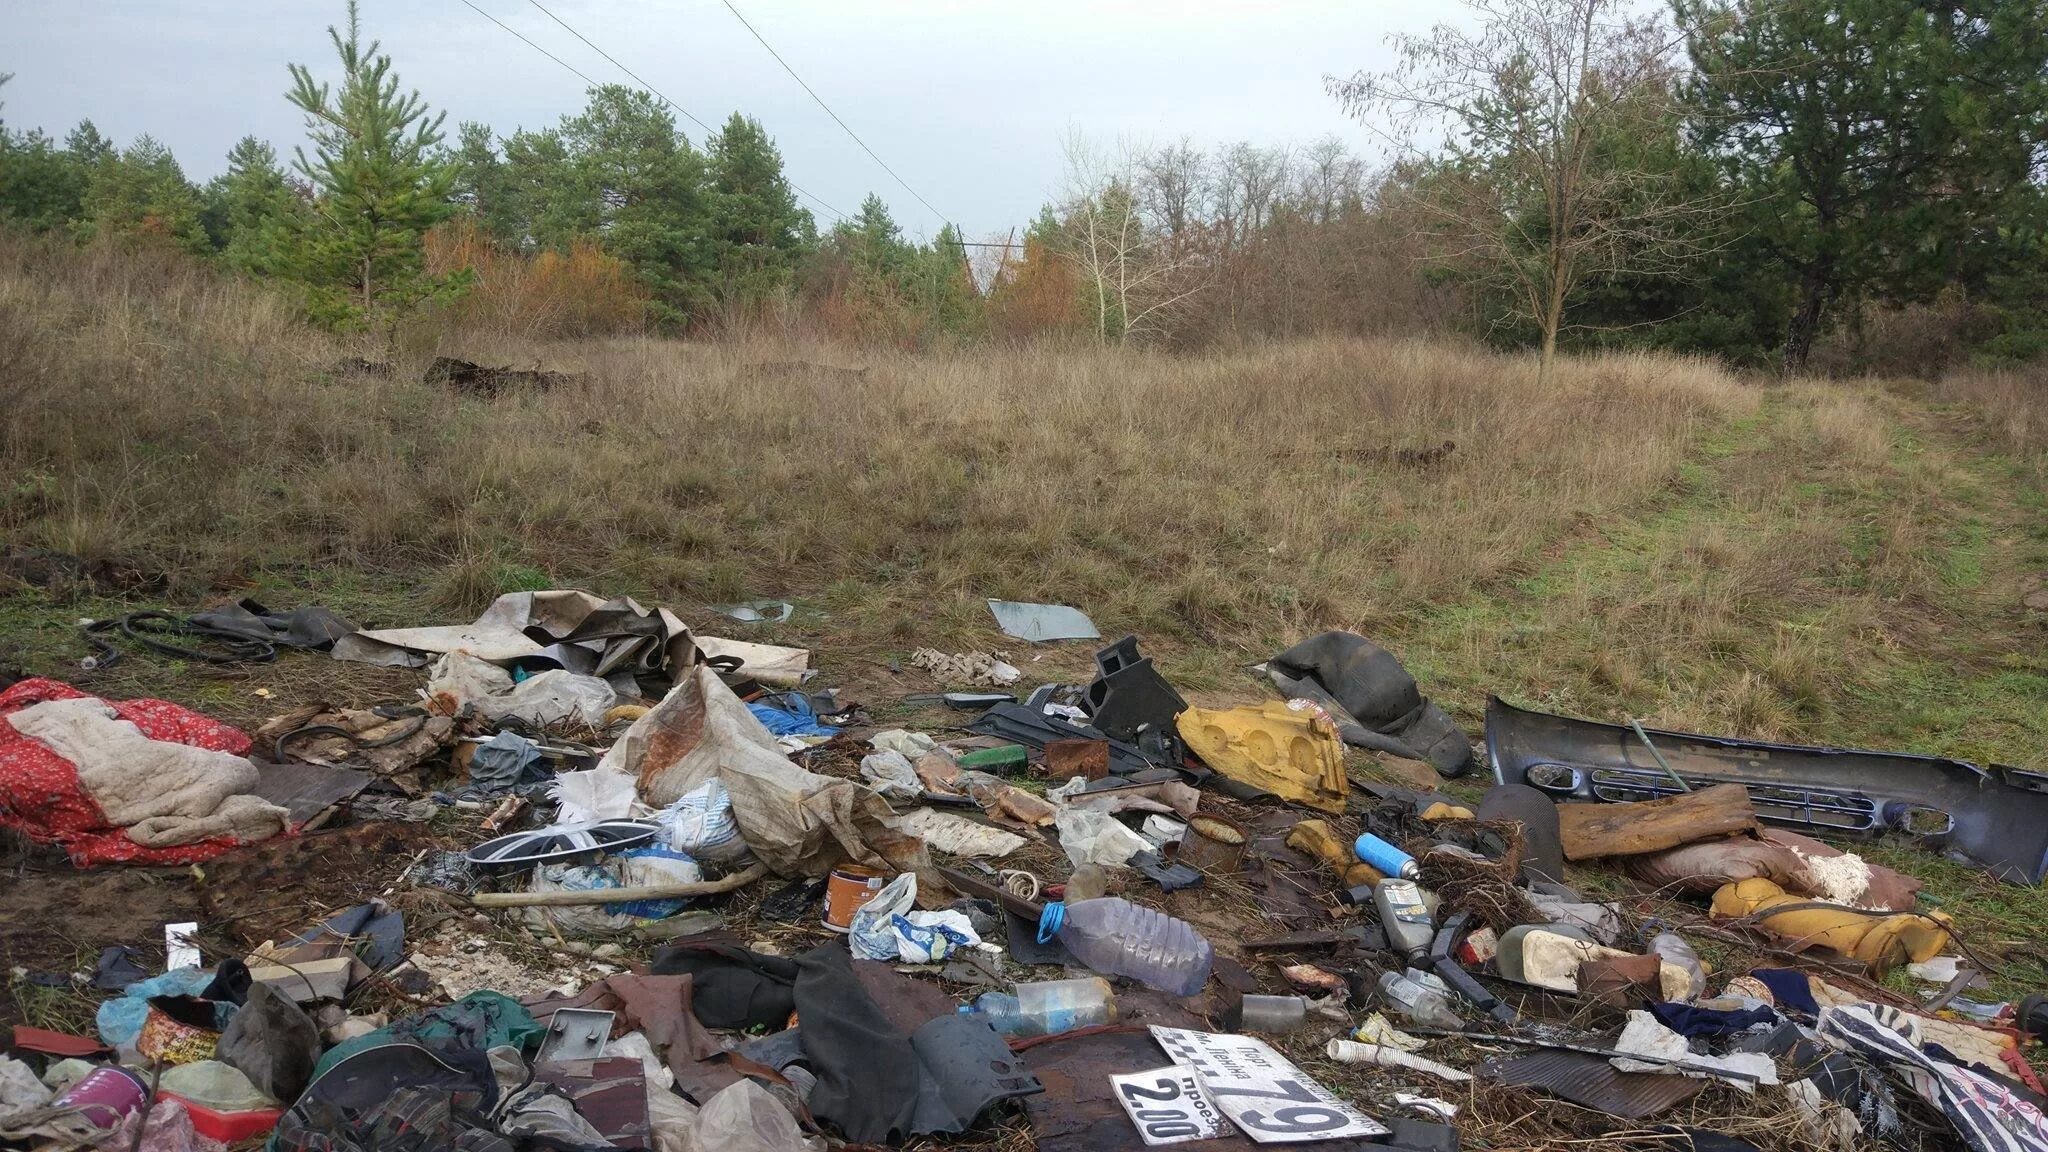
point(1839, 562)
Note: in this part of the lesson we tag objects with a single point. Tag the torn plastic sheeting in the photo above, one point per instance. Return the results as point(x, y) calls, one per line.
point(555, 696)
point(891, 775)
point(1042, 622)
point(626, 636)
point(1989, 1116)
point(772, 664)
point(745, 1117)
point(795, 821)
point(957, 835)
point(1097, 838)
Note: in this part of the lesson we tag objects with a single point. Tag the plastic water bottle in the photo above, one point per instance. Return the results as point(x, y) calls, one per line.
point(1046, 1007)
point(1418, 1003)
point(1118, 938)
point(1671, 948)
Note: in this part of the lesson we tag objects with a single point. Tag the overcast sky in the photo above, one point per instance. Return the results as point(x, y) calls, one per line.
point(968, 102)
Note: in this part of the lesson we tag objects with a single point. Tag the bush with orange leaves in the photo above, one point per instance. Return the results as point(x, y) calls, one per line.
point(1038, 295)
point(549, 295)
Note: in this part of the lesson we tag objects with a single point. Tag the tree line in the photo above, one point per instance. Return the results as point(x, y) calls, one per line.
point(1743, 178)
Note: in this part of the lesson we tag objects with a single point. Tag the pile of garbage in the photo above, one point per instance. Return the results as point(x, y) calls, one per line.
point(694, 903)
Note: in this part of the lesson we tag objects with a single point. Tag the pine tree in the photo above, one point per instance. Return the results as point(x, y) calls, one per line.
point(253, 205)
point(646, 183)
point(380, 181)
point(141, 193)
point(758, 230)
point(483, 184)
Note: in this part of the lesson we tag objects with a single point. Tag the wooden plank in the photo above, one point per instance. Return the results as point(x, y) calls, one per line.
point(1590, 831)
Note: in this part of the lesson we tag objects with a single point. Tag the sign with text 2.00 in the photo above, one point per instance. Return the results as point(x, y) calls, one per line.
point(1261, 1092)
point(1168, 1105)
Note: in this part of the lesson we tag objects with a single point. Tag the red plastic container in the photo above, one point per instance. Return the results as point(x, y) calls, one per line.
point(228, 1127)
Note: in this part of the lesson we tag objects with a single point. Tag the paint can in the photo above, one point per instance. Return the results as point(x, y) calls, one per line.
point(1213, 844)
point(105, 1095)
point(846, 889)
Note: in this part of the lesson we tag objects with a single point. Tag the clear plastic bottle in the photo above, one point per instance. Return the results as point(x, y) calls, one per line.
point(1418, 1003)
point(1118, 938)
point(1671, 948)
point(1047, 1007)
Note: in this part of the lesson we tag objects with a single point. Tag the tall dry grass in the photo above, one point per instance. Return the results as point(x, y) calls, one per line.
point(2014, 403)
point(158, 412)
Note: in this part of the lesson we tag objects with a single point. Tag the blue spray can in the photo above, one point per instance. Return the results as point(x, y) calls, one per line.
point(1390, 861)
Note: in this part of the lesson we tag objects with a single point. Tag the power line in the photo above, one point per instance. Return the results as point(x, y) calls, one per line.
point(531, 44)
point(829, 112)
point(794, 187)
point(623, 68)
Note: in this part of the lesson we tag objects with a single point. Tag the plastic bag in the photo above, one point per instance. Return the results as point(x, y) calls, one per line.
point(873, 936)
point(1089, 837)
point(905, 743)
point(745, 1117)
point(575, 919)
point(641, 867)
point(701, 824)
point(599, 794)
point(888, 928)
point(890, 774)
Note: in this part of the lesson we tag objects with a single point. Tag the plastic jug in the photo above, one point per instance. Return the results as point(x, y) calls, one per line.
point(1118, 938)
point(1416, 1002)
point(1047, 1007)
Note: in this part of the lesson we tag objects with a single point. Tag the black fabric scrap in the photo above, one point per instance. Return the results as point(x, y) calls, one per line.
point(733, 988)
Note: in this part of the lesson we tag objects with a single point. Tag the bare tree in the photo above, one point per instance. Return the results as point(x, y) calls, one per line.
point(1134, 276)
point(1170, 183)
point(1330, 181)
point(1536, 112)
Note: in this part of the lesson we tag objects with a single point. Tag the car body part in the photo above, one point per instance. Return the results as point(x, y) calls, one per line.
point(575, 1034)
point(561, 842)
point(1995, 818)
point(1026, 725)
point(1128, 693)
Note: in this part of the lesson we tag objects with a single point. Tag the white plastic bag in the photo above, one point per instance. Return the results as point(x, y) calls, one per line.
point(745, 1117)
point(599, 794)
point(888, 927)
point(1089, 837)
point(890, 774)
point(702, 825)
point(873, 936)
point(905, 743)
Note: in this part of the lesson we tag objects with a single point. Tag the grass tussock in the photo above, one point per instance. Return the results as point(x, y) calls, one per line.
point(2014, 402)
point(159, 412)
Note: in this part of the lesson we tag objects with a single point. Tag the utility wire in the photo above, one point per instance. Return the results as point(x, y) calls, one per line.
point(622, 67)
point(628, 71)
point(829, 112)
point(531, 44)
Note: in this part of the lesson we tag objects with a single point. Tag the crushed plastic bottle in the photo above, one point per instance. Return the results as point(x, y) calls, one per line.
point(1046, 1007)
point(1409, 997)
point(1671, 948)
point(1118, 938)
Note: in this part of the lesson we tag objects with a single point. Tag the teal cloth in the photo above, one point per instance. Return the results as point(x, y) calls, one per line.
point(478, 1021)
